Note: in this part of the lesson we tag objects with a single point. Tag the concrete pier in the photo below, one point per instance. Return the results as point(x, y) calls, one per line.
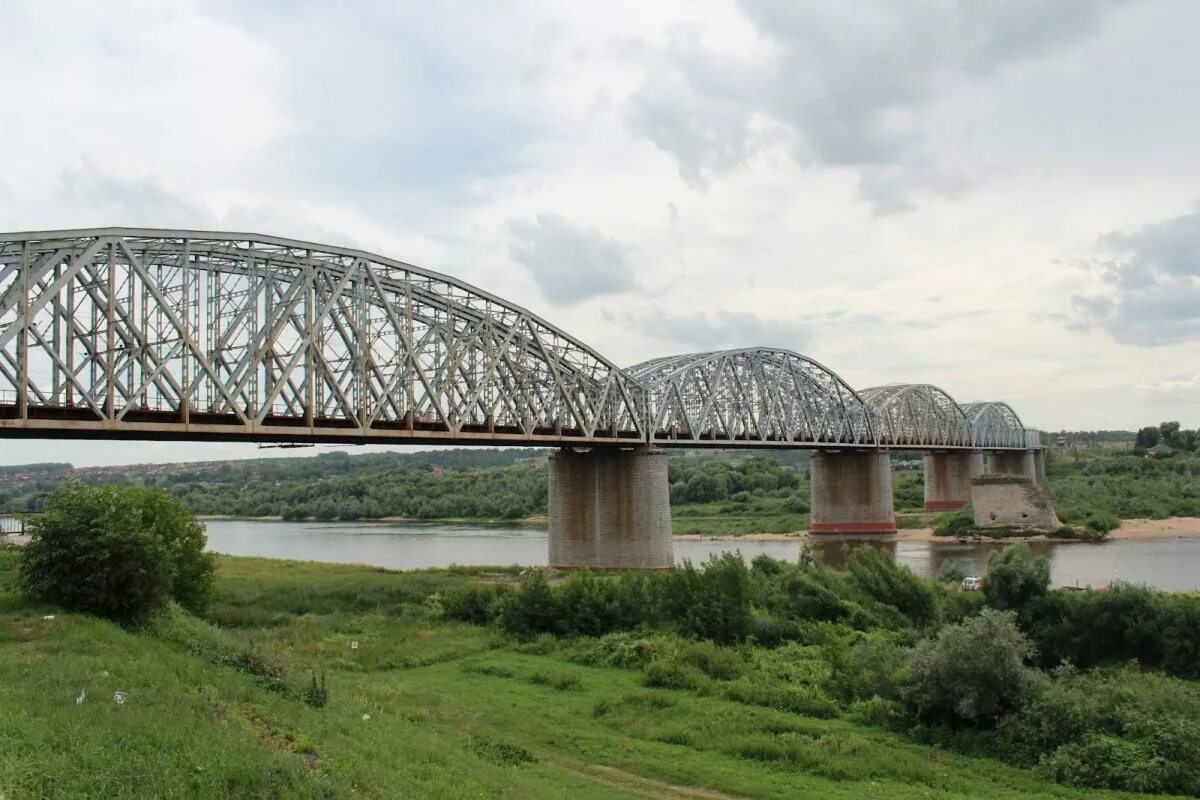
point(948, 478)
point(852, 492)
point(610, 509)
point(1010, 501)
point(1021, 463)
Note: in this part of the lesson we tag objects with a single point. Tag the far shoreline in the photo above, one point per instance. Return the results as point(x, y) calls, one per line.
point(1131, 529)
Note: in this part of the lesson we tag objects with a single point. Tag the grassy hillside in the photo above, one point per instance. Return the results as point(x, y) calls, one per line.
point(423, 708)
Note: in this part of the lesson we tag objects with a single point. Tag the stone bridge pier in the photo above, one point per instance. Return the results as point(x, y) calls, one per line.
point(851, 492)
point(1021, 463)
point(610, 509)
point(948, 476)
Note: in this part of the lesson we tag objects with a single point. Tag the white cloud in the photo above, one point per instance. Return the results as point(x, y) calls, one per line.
point(850, 83)
point(1151, 284)
point(571, 264)
point(676, 175)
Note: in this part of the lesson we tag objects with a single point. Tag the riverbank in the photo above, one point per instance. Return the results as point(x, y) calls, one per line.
point(1131, 529)
point(425, 707)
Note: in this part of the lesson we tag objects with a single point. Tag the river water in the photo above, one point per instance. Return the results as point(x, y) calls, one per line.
point(1172, 564)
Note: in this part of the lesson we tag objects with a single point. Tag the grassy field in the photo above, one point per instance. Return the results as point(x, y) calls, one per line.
point(422, 708)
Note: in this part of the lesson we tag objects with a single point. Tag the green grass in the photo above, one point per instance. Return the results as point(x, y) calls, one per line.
point(423, 708)
point(731, 518)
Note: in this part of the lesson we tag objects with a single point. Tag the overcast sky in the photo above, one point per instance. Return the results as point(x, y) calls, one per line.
point(996, 196)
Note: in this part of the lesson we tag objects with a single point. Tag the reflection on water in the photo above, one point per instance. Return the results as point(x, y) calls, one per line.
point(1166, 563)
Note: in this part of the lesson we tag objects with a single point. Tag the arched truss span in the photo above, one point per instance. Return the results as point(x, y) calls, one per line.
point(995, 425)
point(916, 414)
point(757, 396)
point(124, 332)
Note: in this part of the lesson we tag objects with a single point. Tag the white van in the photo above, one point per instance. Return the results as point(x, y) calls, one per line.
point(972, 583)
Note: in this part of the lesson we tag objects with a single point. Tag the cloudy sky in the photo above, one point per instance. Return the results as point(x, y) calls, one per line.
point(1001, 197)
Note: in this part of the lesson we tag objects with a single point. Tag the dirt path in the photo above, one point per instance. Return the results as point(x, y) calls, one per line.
point(638, 784)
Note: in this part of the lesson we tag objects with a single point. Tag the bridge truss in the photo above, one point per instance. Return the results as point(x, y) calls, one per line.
point(907, 414)
point(995, 425)
point(139, 333)
point(122, 332)
point(755, 396)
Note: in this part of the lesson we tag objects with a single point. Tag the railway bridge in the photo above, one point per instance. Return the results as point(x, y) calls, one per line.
point(123, 333)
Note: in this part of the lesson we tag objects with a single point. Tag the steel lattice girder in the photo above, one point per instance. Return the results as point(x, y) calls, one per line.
point(755, 396)
point(996, 425)
point(136, 333)
point(126, 332)
point(917, 414)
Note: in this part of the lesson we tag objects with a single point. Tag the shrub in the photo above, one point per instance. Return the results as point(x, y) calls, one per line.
point(1116, 728)
point(478, 605)
point(711, 660)
point(1159, 629)
point(120, 552)
point(955, 523)
point(875, 666)
point(317, 693)
point(773, 632)
point(532, 609)
point(889, 583)
point(713, 603)
point(795, 698)
point(671, 674)
point(798, 504)
point(1015, 577)
point(1102, 522)
point(973, 673)
point(590, 605)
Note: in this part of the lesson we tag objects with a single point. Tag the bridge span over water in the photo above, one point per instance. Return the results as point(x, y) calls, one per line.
point(120, 333)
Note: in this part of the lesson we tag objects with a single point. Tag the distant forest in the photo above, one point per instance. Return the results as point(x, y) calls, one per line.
point(713, 491)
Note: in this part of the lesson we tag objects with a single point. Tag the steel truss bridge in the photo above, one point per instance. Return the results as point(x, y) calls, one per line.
point(120, 333)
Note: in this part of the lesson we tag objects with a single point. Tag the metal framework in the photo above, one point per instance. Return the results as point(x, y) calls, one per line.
point(181, 334)
point(917, 414)
point(757, 396)
point(996, 426)
point(168, 334)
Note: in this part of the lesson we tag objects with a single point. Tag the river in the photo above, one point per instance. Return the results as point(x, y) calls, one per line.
point(1172, 564)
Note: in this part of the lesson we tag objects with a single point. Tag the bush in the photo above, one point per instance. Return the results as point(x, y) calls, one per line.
point(973, 673)
point(713, 603)
point(875, 666)
point(1159, 629)
point(317, 693)
point(889, 583)
point(773, 632)
point(794, 698)
point(1116, 729)
point(120, 552)
point(671, 674)
point(1102, 522)
point(711, 660)
point(955, 523)
point(478, 605)
point(531, 610)
point(1015, 577)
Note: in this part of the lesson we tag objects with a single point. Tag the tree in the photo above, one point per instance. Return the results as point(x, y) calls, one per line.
point(119, 552)
point(1169, 434)
point(1147, 438)
point(1015, 577)
point(973, 673)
